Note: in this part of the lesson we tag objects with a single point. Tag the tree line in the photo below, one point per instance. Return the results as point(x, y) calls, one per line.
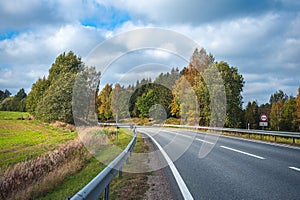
point(283, 112)
point(180, 94)
point(13, 103)
point(185, 94)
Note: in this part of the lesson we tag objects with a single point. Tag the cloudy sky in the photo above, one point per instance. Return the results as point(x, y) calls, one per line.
point(260, 37)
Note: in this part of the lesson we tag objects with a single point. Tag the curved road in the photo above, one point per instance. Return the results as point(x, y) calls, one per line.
point(234, 168)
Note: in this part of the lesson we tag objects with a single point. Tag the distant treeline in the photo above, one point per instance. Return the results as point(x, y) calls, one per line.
point(283, 112)
point(184, 94)
point(13, 103)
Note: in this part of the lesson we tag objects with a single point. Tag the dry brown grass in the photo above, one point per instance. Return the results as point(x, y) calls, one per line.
point(27, 179)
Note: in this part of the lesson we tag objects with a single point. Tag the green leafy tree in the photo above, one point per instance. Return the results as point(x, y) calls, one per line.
point(234, 83)
point(15, 103)
point(19, 101)
point(251, 115)
point(145, 102)
point(56, 104)
point(65, 63)
point(156, 94)
point(5, 105)
point(54, 101)
point(38, 89)
point(4, 94)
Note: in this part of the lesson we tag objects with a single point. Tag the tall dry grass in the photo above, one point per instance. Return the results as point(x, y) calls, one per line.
point(31, 178)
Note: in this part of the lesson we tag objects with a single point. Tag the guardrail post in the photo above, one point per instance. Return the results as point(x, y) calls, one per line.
point(293, 140)
point(120, 172)
point(106, 192)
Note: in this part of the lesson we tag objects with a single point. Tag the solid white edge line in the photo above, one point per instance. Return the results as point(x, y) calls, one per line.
point(181, 184)
point(295, 168)
point(242, 152)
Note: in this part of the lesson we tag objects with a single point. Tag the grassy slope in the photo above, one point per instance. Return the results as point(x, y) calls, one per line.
point(74, 183)
point(26, 139)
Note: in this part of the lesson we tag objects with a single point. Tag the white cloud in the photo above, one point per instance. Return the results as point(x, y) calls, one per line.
point(30, 54)
point(261, 38)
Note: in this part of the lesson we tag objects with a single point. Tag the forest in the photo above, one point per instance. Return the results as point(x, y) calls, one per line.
point(184, 95)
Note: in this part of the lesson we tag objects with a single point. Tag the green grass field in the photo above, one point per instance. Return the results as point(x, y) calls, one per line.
point(8, 115)
point(26, 139)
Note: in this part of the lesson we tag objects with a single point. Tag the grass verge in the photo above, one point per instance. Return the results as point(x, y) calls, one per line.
point(130, 186)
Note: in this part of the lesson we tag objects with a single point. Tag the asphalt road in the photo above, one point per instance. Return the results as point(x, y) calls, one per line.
point(232, 169)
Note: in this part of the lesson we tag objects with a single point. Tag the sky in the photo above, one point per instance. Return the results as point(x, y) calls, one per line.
point(259, 37)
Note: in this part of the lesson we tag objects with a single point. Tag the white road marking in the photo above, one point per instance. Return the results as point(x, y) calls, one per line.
point(295, 168)
point(242, 152)
point(181, 184)
point(204, 141)
point(176, 133)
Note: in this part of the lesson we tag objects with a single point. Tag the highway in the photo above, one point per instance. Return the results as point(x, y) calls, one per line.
point(233, 168)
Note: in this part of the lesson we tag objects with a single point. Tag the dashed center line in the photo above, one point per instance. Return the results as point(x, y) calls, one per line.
point(242, 152)
point(186, 136)
point(295, 168)
point(204, 141)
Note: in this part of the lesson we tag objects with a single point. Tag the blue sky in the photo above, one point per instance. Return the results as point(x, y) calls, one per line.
point(260, 37)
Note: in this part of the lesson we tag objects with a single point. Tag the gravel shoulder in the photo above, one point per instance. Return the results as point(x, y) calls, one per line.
point(159, 187)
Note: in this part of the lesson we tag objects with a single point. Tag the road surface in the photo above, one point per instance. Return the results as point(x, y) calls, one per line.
point(233, 169)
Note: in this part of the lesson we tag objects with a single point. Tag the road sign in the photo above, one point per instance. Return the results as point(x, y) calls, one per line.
point(263, 118)
point(263, 123)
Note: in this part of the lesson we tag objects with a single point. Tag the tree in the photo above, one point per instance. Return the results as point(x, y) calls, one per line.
point(288, 115)
point(4, 94)
point(85, 95)
point(104, 102)
point(251, 114)
point(168, 79)
point(15, 103)
point(275, 114)
point(145, 102)
point(19, 101)
point(65, 63)
point(5, 105)
point(120, 101)
point(36, 94)
point(203, 97)
point(56, 104)
point(234, 83)
point(155, 94)
point(277, 100)
point(51, 98)
point(278, 96)
point(184, 102)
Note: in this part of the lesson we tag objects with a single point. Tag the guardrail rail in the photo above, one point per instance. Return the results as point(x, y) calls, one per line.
point(293, 135)
point(101, 182)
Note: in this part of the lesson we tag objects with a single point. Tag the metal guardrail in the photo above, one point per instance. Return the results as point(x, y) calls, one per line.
point(101, 182)
point(262, 133)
